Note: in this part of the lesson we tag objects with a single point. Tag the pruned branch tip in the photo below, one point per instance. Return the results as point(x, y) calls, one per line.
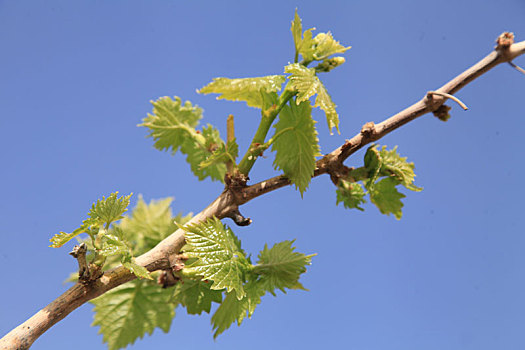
point(79, 253)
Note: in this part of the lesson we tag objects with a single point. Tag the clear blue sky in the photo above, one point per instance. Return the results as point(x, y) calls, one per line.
point(76, 78)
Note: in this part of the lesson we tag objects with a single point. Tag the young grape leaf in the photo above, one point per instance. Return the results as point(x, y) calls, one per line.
point(351, 194)
point(245, 89)
point(219, 257)
point(89, 225)
point(110, 209)
point(306, 83)
point(322, 46)
point(114, 245)
point(324, 101)
point(222, 155)
point(234, 310)
point(386, 197)
point(129, 263)
point(172, 126)
point(196, 296)
point(103, 212)
point(149, 223)
point(172, 122)
point(393, 163)
point(296, 144)
point(303, 42)
point(297, 32)
point(326, 46)
point(198, 150)
point(373, 163)
point(280, 267)
point(129, 311)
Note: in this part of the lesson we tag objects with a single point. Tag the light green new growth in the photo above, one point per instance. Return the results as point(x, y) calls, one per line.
point(386, 197)
point(305, 81)
point(351, 194)
point(219, 255)
point(172, 126)
point(149, 224)
point(322, 46)
point(296, 144)
point(102, 214)
point(280, 267)
point(110, 209)
point(382, 172)
point(128, 312)
point(398, 166)
point(245, 89)
point(196, 295)
point(234, 310)
point(222, 155)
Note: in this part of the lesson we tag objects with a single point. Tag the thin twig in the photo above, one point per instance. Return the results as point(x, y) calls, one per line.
point(452, 97)
point(518, 68)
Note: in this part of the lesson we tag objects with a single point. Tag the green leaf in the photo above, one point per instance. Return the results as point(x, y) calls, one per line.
point(222, 155)
point(373, 163)
point(245, 89)
point(306, 83)
point(280, 267)
point(296, 144)
point(103, 212)
point(114, 245)
point(319, 48)
point(351, 194)
point(304, 80)
point(89, 225)
point(234, 310)
point(324, 101)
point(198, 150)
point(394, 164)
point(110, 209)
point(297, 32)
point(136, 269)
point(129, 311)
point(148, 224)
point(196, 296)
point(326, 46)
point(172, 123)
point(220, 258)
point(386, 197)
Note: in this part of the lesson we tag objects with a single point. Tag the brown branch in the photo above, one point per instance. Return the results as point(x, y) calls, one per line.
point(23, 336)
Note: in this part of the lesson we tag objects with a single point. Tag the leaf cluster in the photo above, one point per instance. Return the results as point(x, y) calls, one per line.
point(173, 127)
point(220, 263)
point(130, 311)
point(382, 172)
point(217, 271)
point(173, 124)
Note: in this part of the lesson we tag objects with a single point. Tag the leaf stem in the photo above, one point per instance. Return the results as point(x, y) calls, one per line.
point(267, 119)
point(230, 134)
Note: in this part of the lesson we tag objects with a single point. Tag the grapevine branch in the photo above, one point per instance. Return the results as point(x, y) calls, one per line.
point(237, 193)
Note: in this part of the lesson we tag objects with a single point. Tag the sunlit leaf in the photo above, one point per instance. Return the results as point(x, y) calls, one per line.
point(219, 257)
point(351, 194)
point(296, 144)
point(128, 312)
point(244, 89)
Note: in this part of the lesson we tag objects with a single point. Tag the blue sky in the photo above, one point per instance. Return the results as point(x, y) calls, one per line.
point(76, 78)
